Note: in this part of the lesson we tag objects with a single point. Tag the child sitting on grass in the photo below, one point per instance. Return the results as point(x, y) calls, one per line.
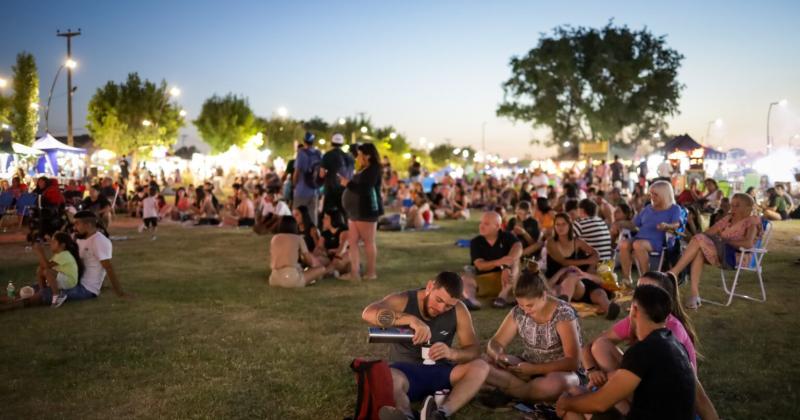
point(62, 271)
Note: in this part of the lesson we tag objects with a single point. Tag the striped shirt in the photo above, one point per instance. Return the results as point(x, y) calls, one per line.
point(594, 231)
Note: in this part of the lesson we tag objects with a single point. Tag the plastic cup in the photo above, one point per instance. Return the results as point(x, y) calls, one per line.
point(426, 360)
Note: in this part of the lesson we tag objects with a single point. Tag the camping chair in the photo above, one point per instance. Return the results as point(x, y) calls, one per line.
point(6, 202)
point(113, 206)
point(670, 251)
point(24, 203)
point(756, 254)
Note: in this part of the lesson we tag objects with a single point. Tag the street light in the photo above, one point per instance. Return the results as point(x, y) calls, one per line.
point(393, 135)
point(3, 83)
point(717, 123)
point(174, 92)
point(364, 130)
point(70, 64)
point(781, 103)
point(282, 112)
point(182, 113)
point(147, 123)
point(342, 121)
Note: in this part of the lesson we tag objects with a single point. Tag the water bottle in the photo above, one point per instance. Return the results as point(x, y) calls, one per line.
point(403, 222)
point(10, 290)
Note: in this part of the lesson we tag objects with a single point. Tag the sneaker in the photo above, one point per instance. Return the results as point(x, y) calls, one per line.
point(430, 411)
point(392, 413)
point(140, 228)
point(59, 300)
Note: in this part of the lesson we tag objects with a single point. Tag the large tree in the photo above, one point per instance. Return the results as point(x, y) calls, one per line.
point(281, 135)
point(25, 103)
point(226, 121)
point(613, 84)
point(134, 116)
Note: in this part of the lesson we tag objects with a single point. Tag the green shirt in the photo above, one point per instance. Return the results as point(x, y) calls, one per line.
point(65, 263)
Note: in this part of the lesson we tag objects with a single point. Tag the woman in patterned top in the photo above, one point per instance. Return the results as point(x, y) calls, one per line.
point(550, 332)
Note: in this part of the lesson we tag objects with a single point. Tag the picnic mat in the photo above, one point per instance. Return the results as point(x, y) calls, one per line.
point(586, 310)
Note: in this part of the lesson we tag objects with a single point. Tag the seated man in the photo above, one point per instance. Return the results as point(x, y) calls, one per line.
point(495, 256)
point(437, 316)
point(269, 212)
point(592, 229)
point(95, 253)
point(526, 229)
point(656, 371)
point(98, 204)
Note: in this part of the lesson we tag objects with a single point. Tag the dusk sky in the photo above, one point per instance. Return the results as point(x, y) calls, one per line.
point(431, 69)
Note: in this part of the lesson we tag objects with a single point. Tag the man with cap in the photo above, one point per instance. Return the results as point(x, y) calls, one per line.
point(335, 162)
point(306, 167)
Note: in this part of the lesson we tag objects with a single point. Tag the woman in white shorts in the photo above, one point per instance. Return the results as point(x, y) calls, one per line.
point(287, 248)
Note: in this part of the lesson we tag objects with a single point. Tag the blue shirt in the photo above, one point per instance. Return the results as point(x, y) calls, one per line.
point(648, 220)
point(303, 164)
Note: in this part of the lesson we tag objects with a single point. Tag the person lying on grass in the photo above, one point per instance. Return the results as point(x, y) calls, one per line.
point(437, 316)
point(550, 362)
point(569, 262)
point(494, 251)
point(656, 371)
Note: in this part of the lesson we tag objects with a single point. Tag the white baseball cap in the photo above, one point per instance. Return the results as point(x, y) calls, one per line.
point(337, 139)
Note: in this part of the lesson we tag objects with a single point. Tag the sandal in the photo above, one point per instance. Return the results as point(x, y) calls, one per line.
point(499, 303)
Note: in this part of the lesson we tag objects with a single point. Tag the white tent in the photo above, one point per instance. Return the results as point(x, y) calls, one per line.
point(48, 142)
point(22, 149)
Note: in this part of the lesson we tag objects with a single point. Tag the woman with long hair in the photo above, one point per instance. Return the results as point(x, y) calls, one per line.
point(719, 244)
point(306, 227)
point(363, 203)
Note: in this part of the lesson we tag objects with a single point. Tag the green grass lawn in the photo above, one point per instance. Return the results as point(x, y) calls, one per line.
point(207, 338)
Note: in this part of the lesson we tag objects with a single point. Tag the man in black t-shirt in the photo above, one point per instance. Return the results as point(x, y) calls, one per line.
point(334, 164)
point(616, 170)
point(494, 252)
point(656, 371)
point(98, 204)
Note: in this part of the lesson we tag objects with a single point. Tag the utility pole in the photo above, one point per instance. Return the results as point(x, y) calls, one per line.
point(69, 34)
point(483, 139)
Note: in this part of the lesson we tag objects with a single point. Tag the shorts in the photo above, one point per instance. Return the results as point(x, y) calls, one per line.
point(424, 380)
point(246, 221)
point(74, 294)
point(150, 222)
point(590, 287)
point(407, 203)
point(287, 277)
point(65, 282)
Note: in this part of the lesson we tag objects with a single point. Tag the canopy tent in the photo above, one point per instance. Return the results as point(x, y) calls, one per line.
point(687, 144)
point(9, 149)
point(51, 147)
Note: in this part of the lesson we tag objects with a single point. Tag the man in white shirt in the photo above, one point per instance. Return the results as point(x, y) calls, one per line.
point(271, 210)
point(95, 252)
point(540, 181)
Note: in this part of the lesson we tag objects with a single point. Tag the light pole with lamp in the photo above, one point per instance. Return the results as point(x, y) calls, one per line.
point(717, 123)
point(782, 102)
point(70, 64)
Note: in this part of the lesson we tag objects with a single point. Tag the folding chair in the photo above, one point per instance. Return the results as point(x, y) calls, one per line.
point(756, 254)
point(113, 206)
point(672, 246)
point(6, 202)
point(24, 203)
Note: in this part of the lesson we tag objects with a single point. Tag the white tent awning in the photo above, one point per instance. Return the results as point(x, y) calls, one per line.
point(22, 149)
point(48, 142)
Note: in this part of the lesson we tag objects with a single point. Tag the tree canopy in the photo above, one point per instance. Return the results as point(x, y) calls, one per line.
point(583, 84)
point(226, 121)
point(134, 116)
point(25, 102)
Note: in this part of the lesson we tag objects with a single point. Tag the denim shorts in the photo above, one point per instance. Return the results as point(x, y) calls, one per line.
point(424, 380)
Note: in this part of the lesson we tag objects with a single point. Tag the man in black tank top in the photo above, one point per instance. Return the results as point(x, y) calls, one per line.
point(437, 316)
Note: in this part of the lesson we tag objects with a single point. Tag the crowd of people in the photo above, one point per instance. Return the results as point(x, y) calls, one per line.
point(541, 242)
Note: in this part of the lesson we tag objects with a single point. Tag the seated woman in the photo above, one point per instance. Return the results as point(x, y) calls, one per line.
point(653, 221)
point(718, 245)
point(550, 333)
point(332, 246)
point(306, 228)
point(204, 210)
point(569, 262)
point(286, 250)
point(712, 197)
point(182, 207)
point(601, 356)
point(775, 208)
point(544, 216)
point(623, 220)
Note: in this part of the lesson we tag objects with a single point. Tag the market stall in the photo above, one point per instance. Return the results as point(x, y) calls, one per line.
point(58, 158)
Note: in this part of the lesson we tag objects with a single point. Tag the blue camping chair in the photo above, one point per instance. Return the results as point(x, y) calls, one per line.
point(6, 204)
point(25, 203)
point(671, 249)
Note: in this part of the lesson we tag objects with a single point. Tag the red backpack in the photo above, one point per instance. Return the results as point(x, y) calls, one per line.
point(375, 388)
